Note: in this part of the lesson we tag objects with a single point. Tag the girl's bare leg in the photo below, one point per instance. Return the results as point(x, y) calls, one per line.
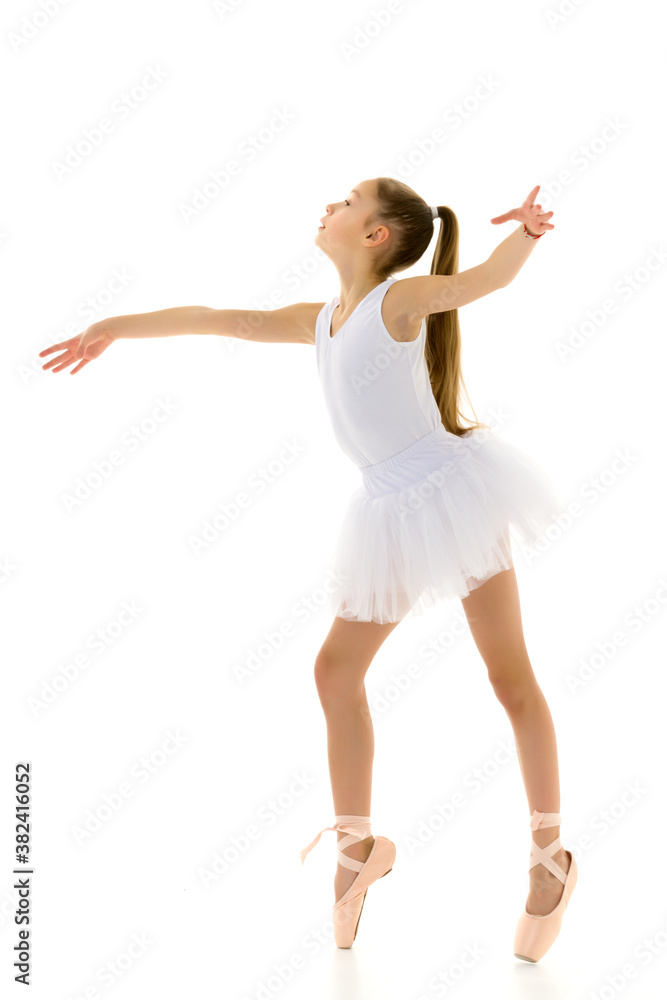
point(340, 668)
point(494, 616)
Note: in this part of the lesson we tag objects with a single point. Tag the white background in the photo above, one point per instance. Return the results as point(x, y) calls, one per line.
point(358, 110)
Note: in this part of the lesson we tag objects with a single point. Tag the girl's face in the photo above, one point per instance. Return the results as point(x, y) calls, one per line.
point(344, 221)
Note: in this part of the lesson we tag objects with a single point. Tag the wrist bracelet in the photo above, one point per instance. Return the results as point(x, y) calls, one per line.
point(530, 235)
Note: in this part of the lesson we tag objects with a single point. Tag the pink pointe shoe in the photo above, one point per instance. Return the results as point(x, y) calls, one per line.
point(534, 933)
point(347, 910)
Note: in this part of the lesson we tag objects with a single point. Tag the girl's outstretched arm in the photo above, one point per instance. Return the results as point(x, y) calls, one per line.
point(292, 324)
point(87, 346)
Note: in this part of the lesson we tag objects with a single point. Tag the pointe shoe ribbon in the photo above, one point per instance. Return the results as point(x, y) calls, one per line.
point(357, 828)
point(535, 933)
point(347, 910)
point(541, 820)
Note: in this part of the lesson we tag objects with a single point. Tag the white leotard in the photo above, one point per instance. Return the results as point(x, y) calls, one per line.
point(377, 389)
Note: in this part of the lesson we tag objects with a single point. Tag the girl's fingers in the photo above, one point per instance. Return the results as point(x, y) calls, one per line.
point(63, 363)
point(52, 362)
point(503, 218)
point(535, 211)
point(528, 203)
point(55, 361)
point(49, 350)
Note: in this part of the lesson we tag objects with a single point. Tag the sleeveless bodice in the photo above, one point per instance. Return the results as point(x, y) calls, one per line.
point(377, 389)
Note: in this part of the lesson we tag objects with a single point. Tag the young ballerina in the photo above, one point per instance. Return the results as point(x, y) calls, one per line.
point(431, 521)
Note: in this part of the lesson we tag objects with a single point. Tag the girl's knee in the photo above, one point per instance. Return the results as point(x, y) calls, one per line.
point(336, 682)
point(513, 683)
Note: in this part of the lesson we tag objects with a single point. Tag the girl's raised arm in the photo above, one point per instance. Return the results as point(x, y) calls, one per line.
point(418, 297)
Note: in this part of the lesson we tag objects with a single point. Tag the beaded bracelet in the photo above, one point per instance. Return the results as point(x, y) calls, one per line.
point(530, 235)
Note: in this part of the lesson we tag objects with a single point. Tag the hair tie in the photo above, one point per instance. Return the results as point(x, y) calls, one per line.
point(434, 211)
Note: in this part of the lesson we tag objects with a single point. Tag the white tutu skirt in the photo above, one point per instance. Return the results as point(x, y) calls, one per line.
point(434, 521)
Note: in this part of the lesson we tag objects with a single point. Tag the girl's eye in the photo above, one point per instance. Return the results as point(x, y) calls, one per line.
point(346, 202)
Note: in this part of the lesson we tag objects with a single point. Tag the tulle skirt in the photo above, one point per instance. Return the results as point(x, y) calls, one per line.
point(433, 522)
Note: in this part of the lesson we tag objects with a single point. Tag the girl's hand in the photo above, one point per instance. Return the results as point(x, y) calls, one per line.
point(533, 216)
point(83, 348)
